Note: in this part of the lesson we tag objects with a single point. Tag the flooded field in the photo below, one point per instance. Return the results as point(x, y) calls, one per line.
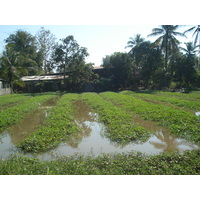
point(17, 133)
point(91, 140)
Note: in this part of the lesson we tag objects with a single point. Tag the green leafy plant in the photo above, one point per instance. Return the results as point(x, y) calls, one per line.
point(58, 126)
point(120, 125)
point(181, 123)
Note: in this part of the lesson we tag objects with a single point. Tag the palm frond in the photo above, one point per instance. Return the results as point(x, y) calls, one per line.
point(189, 29)
point(179, 34)
point(159, 41)
point(196, 38)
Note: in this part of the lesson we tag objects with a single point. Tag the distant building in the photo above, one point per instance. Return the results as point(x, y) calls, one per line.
point(49, 82)
point(45, 82)
point(3, 90)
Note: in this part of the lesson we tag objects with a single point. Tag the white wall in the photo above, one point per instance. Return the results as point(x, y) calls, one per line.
point(4, 91)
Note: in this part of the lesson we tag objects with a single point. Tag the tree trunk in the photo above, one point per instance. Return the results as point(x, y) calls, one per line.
point(65, 85)
point(166, 53)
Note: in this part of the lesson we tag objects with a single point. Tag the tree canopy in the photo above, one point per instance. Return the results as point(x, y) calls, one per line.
point(164, 63)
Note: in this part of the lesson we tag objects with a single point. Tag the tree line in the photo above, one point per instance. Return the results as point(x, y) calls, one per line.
point(159, 64)
point(153, 65)
point(28, 55)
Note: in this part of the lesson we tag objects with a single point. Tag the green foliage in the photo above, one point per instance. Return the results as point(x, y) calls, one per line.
point(45, 43)
point(181, 123)
point(58, 126)
point(24, 43)
point(122, 73)
point(11, 99)
point(190, 105)
point(187, 163)
point(167, 40)
point(14, 114)
point(70, 59)
point(120, 125)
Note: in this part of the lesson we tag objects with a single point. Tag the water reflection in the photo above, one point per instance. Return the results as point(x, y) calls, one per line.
point(197, 113)
point(166, 142)
point(31, 122)
point(91, 139)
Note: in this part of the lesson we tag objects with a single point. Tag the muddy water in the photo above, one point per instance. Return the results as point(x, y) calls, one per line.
point(17, 133)
point(91, 140)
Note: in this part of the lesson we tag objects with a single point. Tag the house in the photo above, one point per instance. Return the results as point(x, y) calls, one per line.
point(43, 83)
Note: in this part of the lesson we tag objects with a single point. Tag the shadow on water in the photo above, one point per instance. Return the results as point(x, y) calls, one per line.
point(90, 140)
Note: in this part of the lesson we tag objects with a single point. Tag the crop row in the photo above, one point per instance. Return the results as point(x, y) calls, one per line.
point(11, 99)
point(186, 163)
point(58, 126)
point(180, 122)
point(119, 124)
point(192, 105)
point(194, 96)
point(14, 114)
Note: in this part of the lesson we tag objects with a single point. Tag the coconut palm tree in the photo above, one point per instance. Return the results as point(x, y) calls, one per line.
point(190, 49)
point(196, 30)
point(196, 33)
point(11, 66)
point(167, 39)
point(134, 42)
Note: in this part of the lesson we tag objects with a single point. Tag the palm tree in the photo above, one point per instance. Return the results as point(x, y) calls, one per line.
point(167, 39)
point(196, 33)
point(190, 49)
point(134, 42)
point(11, 64)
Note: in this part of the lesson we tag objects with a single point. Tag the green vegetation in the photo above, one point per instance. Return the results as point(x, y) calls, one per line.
point(191, 105)
point(187, 163)
point(181, 123)
point(58, 126)
point(161, 64)
point(116, 112)
point(14, 114)
point(120, 124)
point(194, 96)
point(11, 99)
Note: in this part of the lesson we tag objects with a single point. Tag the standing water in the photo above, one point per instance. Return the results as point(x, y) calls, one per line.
point(17, 133)
point(91, 140)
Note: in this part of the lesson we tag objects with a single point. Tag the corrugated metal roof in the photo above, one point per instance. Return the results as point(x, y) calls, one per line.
point(98, 67)
point(42, 78)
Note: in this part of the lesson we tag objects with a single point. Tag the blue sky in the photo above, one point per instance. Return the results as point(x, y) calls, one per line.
point(100, 40)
